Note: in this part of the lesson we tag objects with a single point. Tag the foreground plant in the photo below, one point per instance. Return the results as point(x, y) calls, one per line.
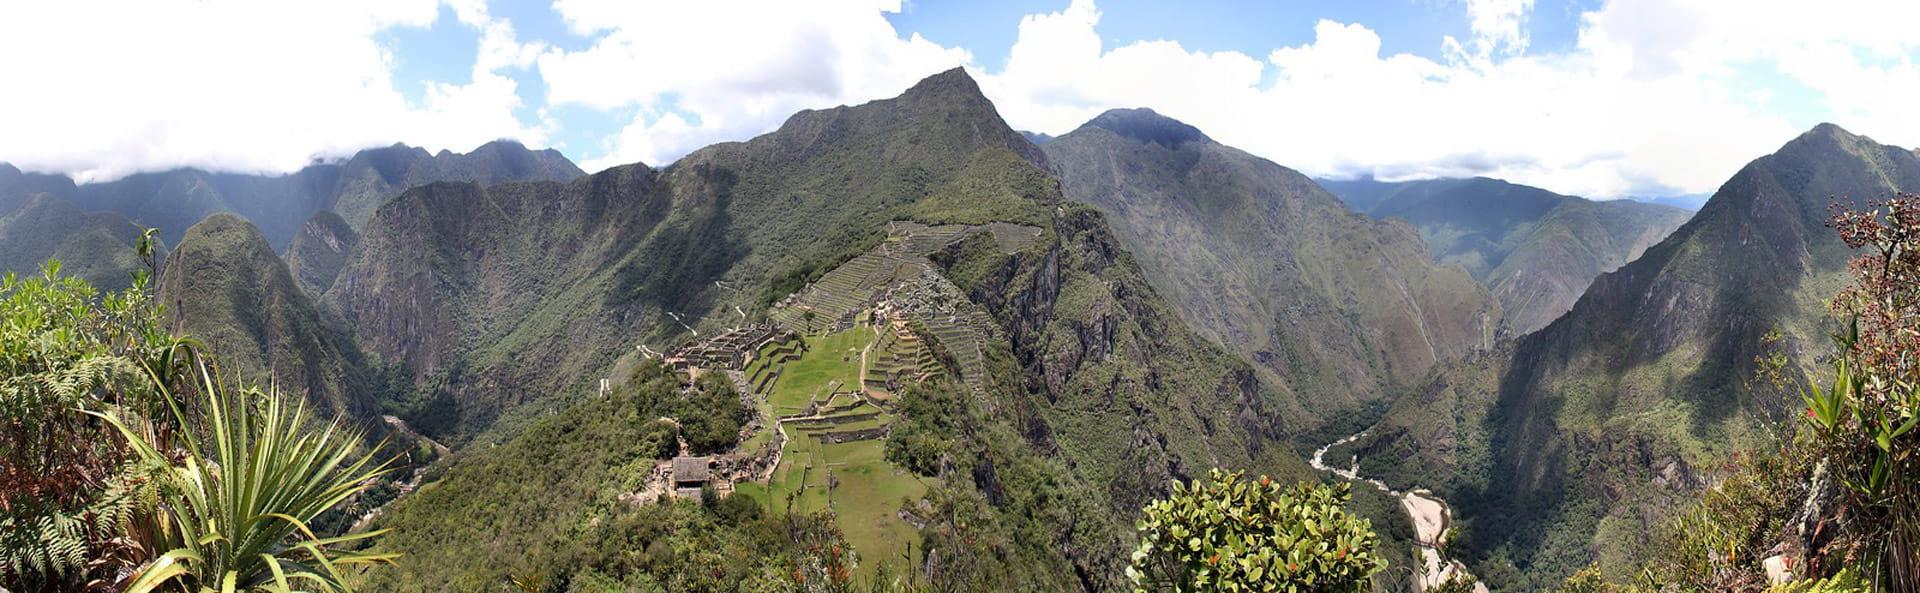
point(234, 510)
point(1227, 534)
point(1864, 425)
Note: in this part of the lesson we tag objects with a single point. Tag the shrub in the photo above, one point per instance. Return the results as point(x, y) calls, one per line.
point(1227, 534)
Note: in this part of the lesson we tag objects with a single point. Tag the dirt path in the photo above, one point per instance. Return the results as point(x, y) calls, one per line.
point(1430, 515)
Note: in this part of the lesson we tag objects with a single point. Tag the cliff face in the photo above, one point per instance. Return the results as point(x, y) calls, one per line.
point(319, 251)
point(1337, 308)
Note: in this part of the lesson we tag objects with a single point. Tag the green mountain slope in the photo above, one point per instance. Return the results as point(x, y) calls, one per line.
point(319, 251)
point(226, 287)
point(1571, 446)
point(518, 297)
point(1535, 249)
point(1337, 307)
point(98, 247)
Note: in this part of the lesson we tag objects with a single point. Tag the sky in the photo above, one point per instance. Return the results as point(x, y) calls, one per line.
point(1602, 98)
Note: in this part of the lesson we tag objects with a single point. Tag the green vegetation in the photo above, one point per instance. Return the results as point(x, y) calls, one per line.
point(1232, 535)
point(116, 478)
point(234, 513)
point(69, 488)
point(553, 506)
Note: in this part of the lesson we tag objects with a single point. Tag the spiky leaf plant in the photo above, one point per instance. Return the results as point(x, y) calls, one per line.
point(234, 510)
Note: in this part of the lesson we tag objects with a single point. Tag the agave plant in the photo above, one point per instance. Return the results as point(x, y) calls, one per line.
point(235, 506)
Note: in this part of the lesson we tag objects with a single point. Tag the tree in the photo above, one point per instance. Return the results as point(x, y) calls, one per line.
point(1228, 534)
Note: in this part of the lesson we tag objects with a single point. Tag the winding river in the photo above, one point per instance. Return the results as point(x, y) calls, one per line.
point(1430, 515)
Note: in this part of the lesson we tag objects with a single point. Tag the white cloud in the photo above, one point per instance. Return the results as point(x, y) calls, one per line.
point(701, 72)
point(1497, 25)
point(1657, 96)
point(103, 89)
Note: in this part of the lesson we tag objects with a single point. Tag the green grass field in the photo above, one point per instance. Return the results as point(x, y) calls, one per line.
point(829, 358)
point(865, 503)
point(869, 490)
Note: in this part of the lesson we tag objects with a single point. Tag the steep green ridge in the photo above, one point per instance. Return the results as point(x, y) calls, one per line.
point(174, 200)
point(1095, 394)
point(98, 247)
point(1570, 447)
point(1535, 249)
point(224, 286)
point(1338, 308)
point(316, 254)
point(540, 285)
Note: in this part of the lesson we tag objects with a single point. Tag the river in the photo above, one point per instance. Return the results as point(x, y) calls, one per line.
point(1431, 517)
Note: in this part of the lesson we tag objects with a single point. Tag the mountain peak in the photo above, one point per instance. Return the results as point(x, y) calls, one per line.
point(953, 80)
point(1147, 126)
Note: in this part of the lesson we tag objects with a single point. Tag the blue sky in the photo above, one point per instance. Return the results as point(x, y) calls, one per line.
point(1595, 97)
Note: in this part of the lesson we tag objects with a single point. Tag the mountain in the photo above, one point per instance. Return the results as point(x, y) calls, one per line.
point(17, 187)
point(98, 247)
point(174, 200)
point(1081, 393)
point(225, 286)
point(1688, 202)
point(372, 177)
point(1535, 249)
point(1337, 307)
point(1568, 447)
point(319, 251)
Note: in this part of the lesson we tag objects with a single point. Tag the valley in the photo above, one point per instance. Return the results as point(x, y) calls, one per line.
point(1432, 520)
point(900, 346)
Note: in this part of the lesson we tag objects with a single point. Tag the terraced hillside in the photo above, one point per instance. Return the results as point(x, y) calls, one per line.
point(1536, 250)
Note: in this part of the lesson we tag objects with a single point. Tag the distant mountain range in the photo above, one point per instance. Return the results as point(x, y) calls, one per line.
point(173, 200)
point(1535, 249)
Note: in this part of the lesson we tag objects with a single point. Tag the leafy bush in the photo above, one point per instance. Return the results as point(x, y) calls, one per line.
point(68, 488)
point(1234, 535)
